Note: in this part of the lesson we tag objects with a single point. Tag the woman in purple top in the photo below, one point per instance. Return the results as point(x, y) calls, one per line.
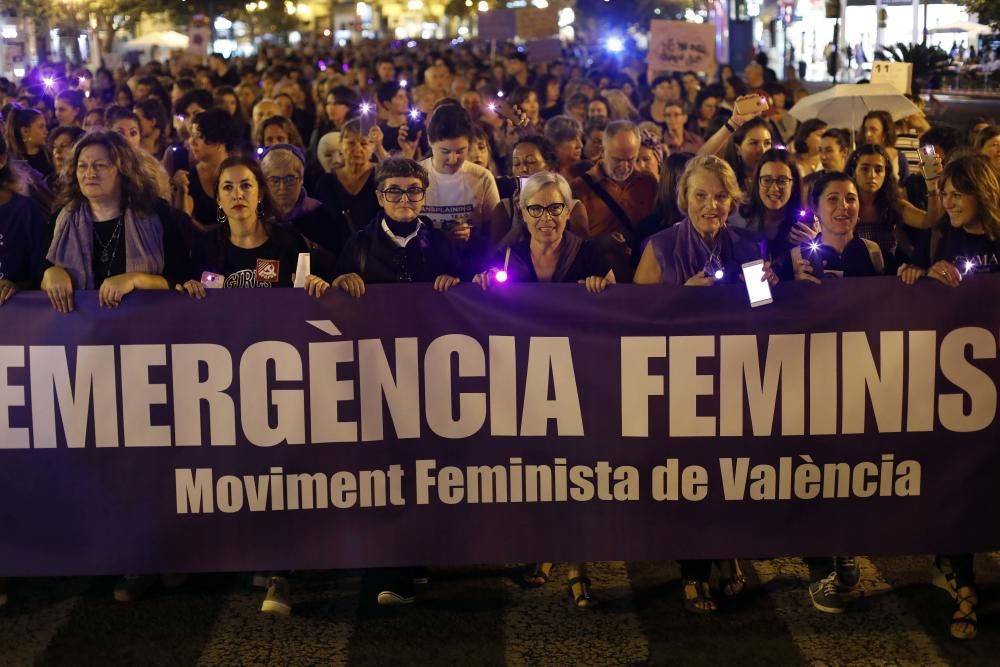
point(702, 250)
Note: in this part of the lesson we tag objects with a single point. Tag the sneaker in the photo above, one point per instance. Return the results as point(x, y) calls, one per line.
point(825, 596)
point(279, 597)
point(848, 572)
point(131, 587)
point(398, 593)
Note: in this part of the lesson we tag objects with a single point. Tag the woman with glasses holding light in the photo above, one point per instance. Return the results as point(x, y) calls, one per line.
point(550, 254)
point(774, 211)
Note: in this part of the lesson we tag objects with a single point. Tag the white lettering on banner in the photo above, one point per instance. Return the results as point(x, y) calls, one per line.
point(11, 396)
point(190, 392)
point(50, 386)
point(803, 479)
point(199, 492)
point(843, 378)
point(822, 383)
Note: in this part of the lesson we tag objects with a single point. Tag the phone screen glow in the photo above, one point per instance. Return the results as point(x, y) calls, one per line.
point(759, 290)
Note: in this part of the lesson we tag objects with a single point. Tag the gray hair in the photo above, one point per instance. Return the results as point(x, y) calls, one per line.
point(616, 127)
point(539, 181)
point(282, 157)
point(562, 128)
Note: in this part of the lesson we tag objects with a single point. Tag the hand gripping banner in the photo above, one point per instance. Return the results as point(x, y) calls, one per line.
point(264, 430)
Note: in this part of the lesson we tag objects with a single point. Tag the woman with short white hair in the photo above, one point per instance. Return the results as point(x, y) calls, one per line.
point(553, 255)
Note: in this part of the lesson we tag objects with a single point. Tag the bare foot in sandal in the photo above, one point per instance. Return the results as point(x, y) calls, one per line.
point(538, 576)
point(698, 597)
point(964, 621)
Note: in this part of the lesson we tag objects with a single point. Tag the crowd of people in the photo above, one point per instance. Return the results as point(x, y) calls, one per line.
point(392, 163)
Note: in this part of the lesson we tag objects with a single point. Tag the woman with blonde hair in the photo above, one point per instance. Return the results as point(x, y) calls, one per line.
point(620, 107)
point(702, 250)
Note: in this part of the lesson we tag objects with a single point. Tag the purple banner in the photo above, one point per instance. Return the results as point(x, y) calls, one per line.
point(264, 430)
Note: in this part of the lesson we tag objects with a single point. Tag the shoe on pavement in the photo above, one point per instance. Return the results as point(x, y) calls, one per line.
point(848, 572)
point(261, 580)
point(131, 587)
point(421, 576)
point(944, 577)
point(279, 597)
point(399, 592)
point(825, 596)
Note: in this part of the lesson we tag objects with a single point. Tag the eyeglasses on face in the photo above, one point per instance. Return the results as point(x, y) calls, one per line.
point(287, 181)
point(395, 195)
point(781, 181)
point(554, 210)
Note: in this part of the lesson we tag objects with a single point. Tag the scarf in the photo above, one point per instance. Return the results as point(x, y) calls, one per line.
point(304, 204)
point(73, 244)
point(692, 254)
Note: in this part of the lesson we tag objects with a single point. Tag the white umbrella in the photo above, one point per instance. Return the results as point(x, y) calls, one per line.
point(962, 27)
point(170, 39)
point(845, 104)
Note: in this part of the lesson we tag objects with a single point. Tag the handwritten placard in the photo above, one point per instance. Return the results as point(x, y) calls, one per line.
point(534, 23)
point(679, 45)
point(897, 75)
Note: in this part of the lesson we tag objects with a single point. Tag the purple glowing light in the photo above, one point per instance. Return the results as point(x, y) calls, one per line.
point(501, 276)
point(719, 274)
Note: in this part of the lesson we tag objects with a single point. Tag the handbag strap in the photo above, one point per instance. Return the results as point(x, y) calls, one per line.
point(623, 220)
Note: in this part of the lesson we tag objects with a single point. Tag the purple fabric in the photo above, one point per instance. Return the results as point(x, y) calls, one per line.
point(73, 244)
point(242, 388)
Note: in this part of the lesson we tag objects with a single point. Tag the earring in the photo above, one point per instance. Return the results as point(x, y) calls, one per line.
point(220, 216)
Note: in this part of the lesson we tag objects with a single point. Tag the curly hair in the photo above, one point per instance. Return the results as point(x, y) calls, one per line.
point(139, 189)
point(712, 165)
point(888, 127)
point(545, 148)
point(973, 174)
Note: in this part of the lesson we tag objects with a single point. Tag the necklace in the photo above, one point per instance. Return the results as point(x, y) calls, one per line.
point(109, 249)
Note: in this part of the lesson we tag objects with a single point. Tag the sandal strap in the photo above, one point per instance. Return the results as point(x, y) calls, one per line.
point(579, 580)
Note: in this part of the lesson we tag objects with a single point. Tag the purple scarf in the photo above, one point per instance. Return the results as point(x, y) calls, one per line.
point(691, 253)
point(73, 244)
point(305, 204)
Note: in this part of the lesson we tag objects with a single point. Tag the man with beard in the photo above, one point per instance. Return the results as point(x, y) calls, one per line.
point(617, 197)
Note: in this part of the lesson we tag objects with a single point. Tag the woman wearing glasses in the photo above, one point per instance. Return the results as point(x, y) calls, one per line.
point(550, 254)
point(284, 167)
point(774, 211)
point(113, 233)
point(399, 245)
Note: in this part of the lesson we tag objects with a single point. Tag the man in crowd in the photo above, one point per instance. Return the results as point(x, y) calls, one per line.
point(616, 196)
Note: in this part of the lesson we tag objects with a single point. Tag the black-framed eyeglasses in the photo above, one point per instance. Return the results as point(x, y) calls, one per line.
point(780, 181)
point(554, 210)
point(395, 195)
point(287, 181)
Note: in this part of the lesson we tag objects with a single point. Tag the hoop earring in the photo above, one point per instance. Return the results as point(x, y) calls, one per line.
point(220, 216)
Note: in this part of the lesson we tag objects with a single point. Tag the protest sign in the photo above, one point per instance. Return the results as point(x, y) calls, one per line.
point(679, 45)
point(414, 427)
point(497, 24)
point(534, 23)
point(897, 75)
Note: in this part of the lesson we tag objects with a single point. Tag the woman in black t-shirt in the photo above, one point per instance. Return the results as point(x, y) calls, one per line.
point(968, 244)
point(247, 250)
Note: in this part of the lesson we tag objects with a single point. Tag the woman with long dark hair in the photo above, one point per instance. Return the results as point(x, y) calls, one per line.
point(113, 233)
point(26, 139)
point(774, 210)
point(745, 148)
point(23, 228)
point(883, 213)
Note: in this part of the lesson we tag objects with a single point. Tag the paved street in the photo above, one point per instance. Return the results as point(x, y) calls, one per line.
point(481, 616)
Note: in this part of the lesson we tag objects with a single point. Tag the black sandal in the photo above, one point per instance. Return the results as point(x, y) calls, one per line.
point(584, 600)
point(698, 597)
point(732, 581)
point(965, 614)
point(538, 576)
point(945, 578)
